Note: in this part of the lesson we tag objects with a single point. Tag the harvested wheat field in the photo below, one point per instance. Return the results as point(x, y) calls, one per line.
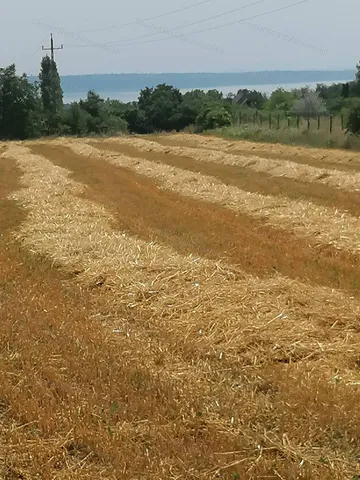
point(178, 307)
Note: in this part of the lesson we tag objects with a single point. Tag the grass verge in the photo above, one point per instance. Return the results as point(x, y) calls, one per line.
point(290, 136)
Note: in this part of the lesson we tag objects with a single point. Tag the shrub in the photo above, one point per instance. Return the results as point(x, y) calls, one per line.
point(311, 105)
point(353, 120)
point(213, 117)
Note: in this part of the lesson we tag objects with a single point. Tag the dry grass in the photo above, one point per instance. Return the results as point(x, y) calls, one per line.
point(332, 158)
point(167, 366)
point(191, 226)
point(327, 225)
point(245, 179)
point(281, 168)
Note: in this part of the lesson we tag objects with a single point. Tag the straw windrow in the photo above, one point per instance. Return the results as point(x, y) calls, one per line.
point(326, 225)
point(282, 168)
point(259, 358)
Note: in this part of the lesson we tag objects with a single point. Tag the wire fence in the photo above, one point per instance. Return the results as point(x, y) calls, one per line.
point(277, 121)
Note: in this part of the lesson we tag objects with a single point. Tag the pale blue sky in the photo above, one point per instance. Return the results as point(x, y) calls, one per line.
point(319, 34)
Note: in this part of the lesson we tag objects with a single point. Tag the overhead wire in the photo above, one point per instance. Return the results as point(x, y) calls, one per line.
point(169, 32)
point(234, 10)
point(155, 17)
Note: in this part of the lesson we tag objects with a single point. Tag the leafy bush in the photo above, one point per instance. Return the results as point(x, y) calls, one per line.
point(161, 108)
point(280, 100)
point(213, 117)
point(353, 120)
point(20, 106)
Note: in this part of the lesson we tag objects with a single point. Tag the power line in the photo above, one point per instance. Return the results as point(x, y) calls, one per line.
point(52, 48)
point(189, 24)
point(286, 7)
point(30, 54)
point(171, 12)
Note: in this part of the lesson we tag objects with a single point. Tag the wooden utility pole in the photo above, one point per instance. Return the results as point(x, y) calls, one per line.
point(52, 48)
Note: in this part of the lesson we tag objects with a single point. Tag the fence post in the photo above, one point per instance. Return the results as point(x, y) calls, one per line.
point(270, 120)
point(298, 121)
point(278, 121)
point(331, 124)
point(288, 122)
point(308, 122)
point(319, 122)
point(342, 122)
point(261, 119)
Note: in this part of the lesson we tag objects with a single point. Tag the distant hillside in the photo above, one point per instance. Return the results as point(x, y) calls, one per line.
point(131, 82)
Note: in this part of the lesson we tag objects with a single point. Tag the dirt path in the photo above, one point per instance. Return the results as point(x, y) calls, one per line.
point(246, 179)
point(202, 228)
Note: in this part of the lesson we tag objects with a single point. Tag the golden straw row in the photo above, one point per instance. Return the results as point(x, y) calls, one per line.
point(327, 225)
point(230, 319)
point(278, 168)
point(77, 233)
point(283, 151)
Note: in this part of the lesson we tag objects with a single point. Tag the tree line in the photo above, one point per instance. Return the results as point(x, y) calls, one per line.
point(31, 110)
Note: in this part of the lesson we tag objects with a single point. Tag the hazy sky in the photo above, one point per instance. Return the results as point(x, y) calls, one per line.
point(318, 34)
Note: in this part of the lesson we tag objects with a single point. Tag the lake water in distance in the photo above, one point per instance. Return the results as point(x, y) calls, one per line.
point(132, 96)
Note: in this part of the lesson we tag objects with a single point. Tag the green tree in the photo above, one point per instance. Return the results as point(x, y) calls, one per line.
point(93, 105)
point(101, 117)
point(161, 107)
point(214, 95)
point(74, 120)
point(256, 99)
point(345, 91)
point(280, 99)
point(215, 116)
point(51, 94)
point(20, 109)
point(136, 119)
point(353, 116)
point(192, 104)
point(355, 86)
point(298, 93)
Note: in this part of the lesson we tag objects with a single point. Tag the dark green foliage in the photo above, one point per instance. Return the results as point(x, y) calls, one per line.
point(51, 95)
point(161, 108)
point(75, 120)
point(281, 100)
point(345, 91)
point(211, 117)
point(30, 110)
point(136, 119)
point(192, 104)
point(20, 109)
point(164, 108)
point(214, 96)
point(95, 116)
point(256, 99)
point(353, 118)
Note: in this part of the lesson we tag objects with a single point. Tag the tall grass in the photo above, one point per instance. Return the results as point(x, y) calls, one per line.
point(291, 136)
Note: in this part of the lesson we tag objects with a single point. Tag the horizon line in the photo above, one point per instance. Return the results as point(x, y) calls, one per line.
point(209, 73)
